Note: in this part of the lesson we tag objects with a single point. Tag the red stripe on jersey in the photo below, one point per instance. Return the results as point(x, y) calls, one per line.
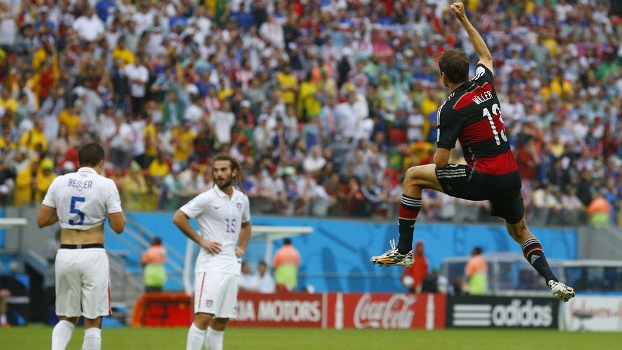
point(497, 165)
point(480, 93)
point(481, 130)
point(201, 294)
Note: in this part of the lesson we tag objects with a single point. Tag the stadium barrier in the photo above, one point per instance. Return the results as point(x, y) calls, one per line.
point(592, 313)
point(322, 310)
point(502, 312)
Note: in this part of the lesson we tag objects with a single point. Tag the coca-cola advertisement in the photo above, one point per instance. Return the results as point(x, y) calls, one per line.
point(279, 310)
point(388, 311)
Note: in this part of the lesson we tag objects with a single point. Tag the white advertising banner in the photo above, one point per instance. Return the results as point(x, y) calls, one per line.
point(601, 314)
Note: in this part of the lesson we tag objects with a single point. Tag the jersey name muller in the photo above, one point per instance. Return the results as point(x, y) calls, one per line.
point(80, 184)
point(479, 99)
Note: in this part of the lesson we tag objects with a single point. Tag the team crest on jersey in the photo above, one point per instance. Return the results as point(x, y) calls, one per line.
point(209, 303)
point(239, 206)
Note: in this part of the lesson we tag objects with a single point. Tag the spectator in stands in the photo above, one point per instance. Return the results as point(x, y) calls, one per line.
point(172, 190)
point(546, 205)
point(434, 282)
point(120, 142)
point(417, 272)
point(476, 271)
point(134, 188)
point(285, 264)
point(246, 279)
point(263, 280)
point(153, 261)
point(26, 183)
point(44, 178)
point(573, 210)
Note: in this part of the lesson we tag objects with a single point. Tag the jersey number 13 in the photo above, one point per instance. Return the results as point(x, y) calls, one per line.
point(496, 112)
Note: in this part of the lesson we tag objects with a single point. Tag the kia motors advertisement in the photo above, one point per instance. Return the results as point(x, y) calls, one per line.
point(279, 310)
point(502, 312)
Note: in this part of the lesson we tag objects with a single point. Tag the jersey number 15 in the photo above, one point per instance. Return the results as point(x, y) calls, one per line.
point(496, 112)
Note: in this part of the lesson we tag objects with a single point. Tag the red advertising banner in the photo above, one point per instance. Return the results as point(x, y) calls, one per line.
point(163, 310)
point(389, 311)
point(279, 310)
point(327, 310)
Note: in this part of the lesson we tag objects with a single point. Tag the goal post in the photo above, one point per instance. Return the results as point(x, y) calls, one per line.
point(265, 234)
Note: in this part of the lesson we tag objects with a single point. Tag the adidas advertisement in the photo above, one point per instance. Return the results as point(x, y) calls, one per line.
point(502, 312)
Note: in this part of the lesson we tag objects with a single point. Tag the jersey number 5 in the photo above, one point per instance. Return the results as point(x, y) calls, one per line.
point(496, 111)
point(74, 210)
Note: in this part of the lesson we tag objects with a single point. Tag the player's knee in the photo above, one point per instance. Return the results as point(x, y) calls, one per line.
point(202, 320)
point(219, 324)
point(412, 176)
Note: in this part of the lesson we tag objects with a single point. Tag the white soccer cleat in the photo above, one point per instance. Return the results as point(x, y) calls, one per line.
point(562, 291)
point(393, 258)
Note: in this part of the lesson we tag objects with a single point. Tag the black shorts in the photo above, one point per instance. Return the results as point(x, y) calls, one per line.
point(503, 191)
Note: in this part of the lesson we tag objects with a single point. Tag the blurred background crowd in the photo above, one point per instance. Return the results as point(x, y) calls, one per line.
point(324, 102)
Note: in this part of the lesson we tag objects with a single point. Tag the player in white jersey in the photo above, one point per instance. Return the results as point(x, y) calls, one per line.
point(81, 202)
point(223, 215)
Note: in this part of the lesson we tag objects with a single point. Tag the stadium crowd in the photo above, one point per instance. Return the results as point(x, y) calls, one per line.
point(324, 102)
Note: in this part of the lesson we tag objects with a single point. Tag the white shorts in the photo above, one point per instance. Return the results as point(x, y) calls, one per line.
point(215, 293)
point(82, 283)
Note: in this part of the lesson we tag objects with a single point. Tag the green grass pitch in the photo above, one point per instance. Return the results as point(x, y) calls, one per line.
point(37, 336)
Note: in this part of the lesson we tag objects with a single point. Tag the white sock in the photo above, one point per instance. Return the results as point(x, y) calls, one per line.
point(61, 335)
point(195, 338)
point(2, 319)
point(214, 339)
point(92, 339)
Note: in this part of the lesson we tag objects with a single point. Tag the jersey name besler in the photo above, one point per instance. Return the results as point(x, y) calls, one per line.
point(472, 115)
point(83, 199)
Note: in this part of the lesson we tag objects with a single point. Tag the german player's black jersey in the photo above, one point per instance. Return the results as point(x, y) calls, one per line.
point(472, 115)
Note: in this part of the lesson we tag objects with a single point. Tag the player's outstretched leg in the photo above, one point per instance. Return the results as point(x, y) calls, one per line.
point(415, 180)
point(392, 257)
point(532, 250)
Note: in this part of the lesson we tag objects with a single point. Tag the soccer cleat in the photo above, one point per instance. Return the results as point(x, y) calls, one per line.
point(393, 258)
point(562, 291)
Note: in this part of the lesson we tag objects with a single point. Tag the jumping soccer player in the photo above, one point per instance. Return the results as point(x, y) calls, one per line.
point(472, 115)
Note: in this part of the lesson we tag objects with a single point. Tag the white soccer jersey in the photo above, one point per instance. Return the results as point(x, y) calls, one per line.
point(219, 218)
point(83, 199)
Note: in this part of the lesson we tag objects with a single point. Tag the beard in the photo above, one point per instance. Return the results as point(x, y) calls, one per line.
point(227, 183)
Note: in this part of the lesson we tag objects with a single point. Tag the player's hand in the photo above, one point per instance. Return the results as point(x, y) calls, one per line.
point(458, 9)
point(239, 251)
point(210, 246)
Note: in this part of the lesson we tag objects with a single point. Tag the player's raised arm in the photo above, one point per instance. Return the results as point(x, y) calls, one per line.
point(479, 45)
